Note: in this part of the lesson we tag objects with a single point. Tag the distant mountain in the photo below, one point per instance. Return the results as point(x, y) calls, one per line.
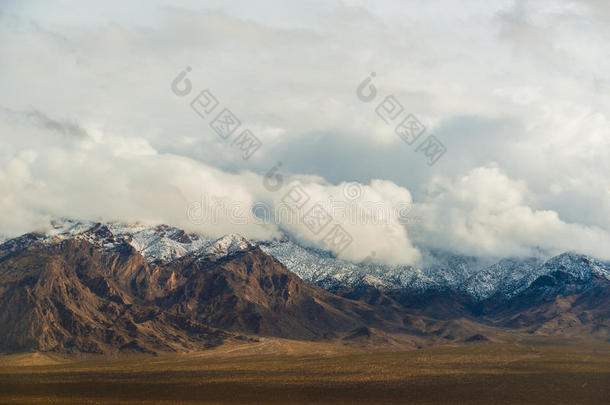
point(161, 243)
point(322, 269)
point(441, 270)
point(477, 278)
point(93, 287)
point(571, 298)
point(84, 288)
point(72, 296)
point(566, 295)
point(505, 278)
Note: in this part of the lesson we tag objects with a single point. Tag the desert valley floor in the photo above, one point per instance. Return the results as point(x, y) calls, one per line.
point(274, 371)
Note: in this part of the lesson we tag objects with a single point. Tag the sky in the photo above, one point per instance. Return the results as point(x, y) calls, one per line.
point(98, 121)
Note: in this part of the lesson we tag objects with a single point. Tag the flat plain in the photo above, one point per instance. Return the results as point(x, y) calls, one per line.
point(273, 371)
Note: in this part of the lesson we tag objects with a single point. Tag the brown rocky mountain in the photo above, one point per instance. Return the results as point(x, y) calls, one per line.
point(94, 292)
point(251, 292)
point(77, 295)
point(557, 304)
point(70, 297)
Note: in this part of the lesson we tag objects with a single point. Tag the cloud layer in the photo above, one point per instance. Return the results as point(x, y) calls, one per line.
point(517, 91)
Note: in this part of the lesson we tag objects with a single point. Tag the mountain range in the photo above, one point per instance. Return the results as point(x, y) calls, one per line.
point(110, 287)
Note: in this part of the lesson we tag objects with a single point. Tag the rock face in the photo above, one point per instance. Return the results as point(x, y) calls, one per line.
point(72, 296)
point(566, 295)
point(251, 292)
point(571, 302)
point(94, 292)
point(102, 288)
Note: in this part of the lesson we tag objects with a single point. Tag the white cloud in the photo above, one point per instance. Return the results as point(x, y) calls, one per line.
point(487, 213)
point(89, 126)
point(112, 178)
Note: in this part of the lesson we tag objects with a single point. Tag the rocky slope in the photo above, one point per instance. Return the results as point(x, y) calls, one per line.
point(72, 296)
point(442, 271)
point(571, 298)
point(90, 290)
point(92, 287)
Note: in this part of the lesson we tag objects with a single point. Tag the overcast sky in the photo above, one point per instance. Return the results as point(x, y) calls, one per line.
point(516, 91)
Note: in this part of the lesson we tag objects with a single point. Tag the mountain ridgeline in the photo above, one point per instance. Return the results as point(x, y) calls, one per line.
point(113, 288)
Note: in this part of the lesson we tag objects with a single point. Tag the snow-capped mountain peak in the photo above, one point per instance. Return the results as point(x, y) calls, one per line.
point(479, 278)
point(578, 266)
point(155, 242)
point(227, 245)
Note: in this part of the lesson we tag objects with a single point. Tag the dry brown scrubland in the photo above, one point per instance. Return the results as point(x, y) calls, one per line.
point(275, 371)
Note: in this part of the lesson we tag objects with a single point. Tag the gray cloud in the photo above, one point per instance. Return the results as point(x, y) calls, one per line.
point(63, 127)
point(513, 86)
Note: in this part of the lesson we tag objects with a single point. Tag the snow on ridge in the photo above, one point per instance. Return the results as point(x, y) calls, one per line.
point(228, 244)
point(480, 279)
point(467, 274)
point(154, 242)
point(317, 267)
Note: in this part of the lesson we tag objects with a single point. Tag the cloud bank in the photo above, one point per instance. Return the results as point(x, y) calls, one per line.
point(517, 91)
